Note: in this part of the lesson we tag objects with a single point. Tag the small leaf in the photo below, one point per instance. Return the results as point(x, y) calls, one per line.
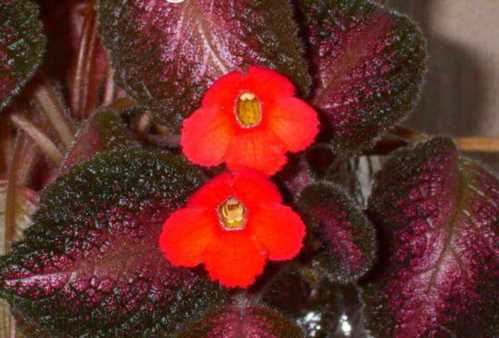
point(347, 235)
point(104, 131)
point(91, 266)
point(167, 54)
point(439, 217)
point(22, 45)
point(368, 66)
point(241, 320)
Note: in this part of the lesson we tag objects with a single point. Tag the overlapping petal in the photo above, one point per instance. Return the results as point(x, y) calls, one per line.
point(235, 260)
point(294, 122)
point(193, 226)
point(206, 136)
point(280, 230)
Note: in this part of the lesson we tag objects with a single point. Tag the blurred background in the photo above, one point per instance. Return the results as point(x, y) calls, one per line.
point(461, 94)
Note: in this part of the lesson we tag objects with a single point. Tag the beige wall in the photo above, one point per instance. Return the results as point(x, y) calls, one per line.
point(461, 96)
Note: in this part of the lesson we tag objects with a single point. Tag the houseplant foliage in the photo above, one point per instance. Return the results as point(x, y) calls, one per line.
point(189, 166)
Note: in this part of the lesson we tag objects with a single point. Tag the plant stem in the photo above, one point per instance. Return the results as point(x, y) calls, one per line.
point(478, 144)
point(83, 98)
point(11, 195)
point(39, 137)
point(400, 137)
point(109, 88)
point(54, 112)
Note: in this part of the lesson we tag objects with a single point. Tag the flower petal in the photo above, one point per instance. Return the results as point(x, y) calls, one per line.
point(294, 122)
point(206, 135)
point(213, 193)
point(234, 259)
point(268, 84)
point(224, 91)
point(186, 235)
point(256, 149)
point(280, 230)
point(254, 188)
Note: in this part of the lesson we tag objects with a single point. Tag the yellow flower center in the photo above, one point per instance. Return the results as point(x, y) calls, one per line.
point(248, 110)
point(232, 215)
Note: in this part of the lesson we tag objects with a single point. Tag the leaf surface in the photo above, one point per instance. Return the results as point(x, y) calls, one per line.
point(438, 214)
point(167, 54)
point(91, 265)
point(368, 66)
point(22, 46)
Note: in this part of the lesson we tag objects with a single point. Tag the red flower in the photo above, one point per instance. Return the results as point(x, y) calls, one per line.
point(249, 120)
point(233, 224)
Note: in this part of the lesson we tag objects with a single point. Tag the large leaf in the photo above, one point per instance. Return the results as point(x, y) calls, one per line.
point(368, 68)
point(347, 236)
point(22, 45)
point(243, 320)
point(166, 54)
point(439, 217)
point(91, 266)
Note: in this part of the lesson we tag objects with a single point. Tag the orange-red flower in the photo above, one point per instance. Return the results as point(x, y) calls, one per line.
point(233, 224)
point(249, 120)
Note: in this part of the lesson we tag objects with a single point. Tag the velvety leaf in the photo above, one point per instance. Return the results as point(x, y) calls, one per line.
point(439, 218)
point(348, 237)
point(91, 265)
point(368, 68)
point(22, 45)
point(243, 320)
point(314, 164)
point(167, 54)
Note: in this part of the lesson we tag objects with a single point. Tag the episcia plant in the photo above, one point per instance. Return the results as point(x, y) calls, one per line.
point(191, 169)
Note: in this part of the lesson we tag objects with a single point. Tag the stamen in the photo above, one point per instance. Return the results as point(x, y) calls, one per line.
point(248, 110)
point(232, 215)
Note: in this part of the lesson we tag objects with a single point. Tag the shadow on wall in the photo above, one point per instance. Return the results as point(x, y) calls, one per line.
point(453, 99)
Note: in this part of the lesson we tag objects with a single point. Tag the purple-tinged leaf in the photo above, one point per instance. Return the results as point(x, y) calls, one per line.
point(22, 45)
point(368, 67)
point(315, 164)
point(91, 266)
point(243, 320)
point(438, 214)
point(167, 54)
point(103, 131)
point(347, 236)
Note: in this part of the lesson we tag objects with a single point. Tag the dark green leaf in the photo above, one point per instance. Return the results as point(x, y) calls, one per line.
point(22, 45)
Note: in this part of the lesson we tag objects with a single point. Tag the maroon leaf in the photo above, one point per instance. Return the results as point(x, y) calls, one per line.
point(91, 266)
point(368, 66)
point(22, 45)
point(167, 54)
point(439, 215)
point(348, 237)
point(243, 320)
point(103, 131)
